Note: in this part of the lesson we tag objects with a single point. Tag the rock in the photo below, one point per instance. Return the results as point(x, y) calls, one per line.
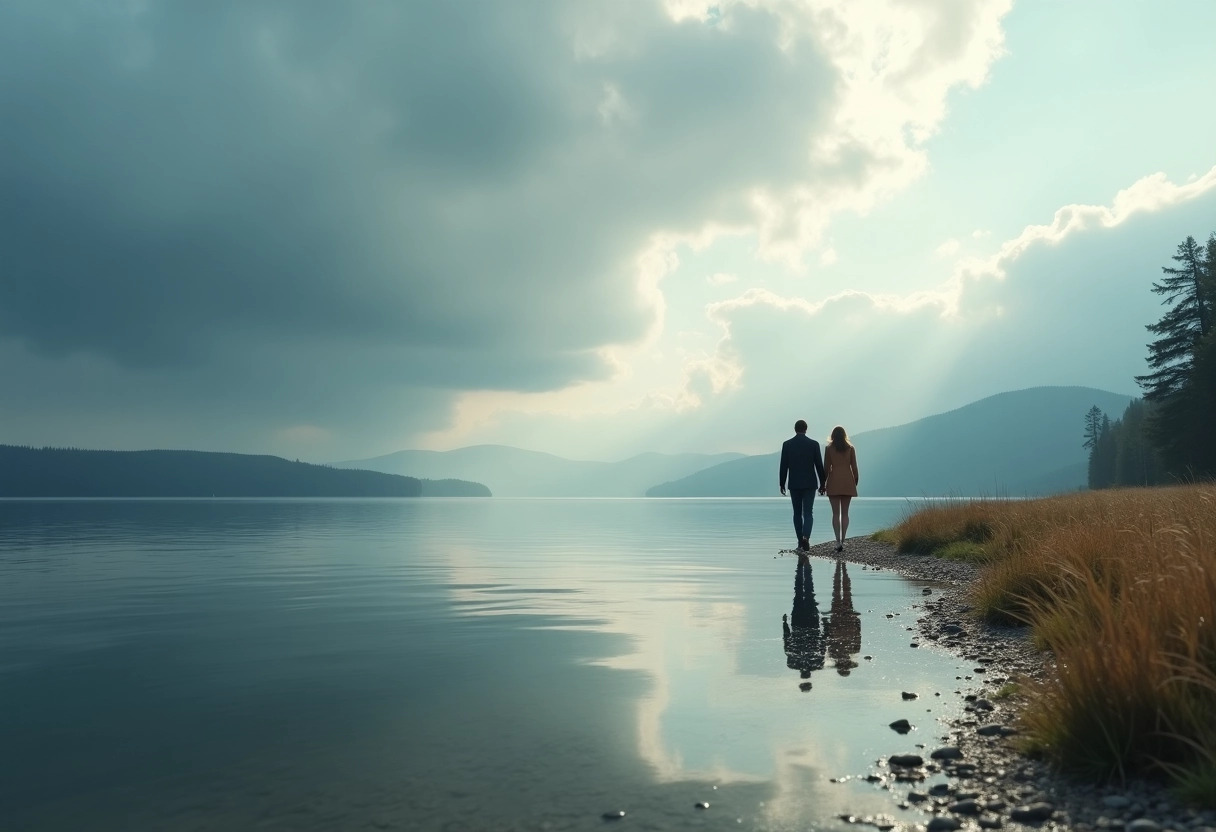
point(947, 752)
point(907, 695)
point(917, 797)
point(926, 591)
point(952, 629)
point(940, 789)
point(944, 824)
point(983, 705)
point(914, 644)
point(1116, 801)
point(905, 760)
point(901, 726)
point(613, 815)
point(990, 823)
point(995, 805)
point(1035, 813)
point(964, 807)
point(1143, 825)
point(701, 805)
point(804, 687)
point(993, 730)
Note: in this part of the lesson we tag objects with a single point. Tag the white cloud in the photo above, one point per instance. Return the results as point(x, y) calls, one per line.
point(948, 248)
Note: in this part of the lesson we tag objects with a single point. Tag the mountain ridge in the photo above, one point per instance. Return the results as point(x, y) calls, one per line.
point(76, 472)
point(517, 472)
point(912, 459)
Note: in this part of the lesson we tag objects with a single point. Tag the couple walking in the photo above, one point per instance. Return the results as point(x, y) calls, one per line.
point(833, 472)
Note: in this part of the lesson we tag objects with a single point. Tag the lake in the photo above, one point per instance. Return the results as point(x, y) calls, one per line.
point(445, 664)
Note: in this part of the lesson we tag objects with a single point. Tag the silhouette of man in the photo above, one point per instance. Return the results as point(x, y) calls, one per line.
point(802, 464)
point(843, 630)
point(805, 646)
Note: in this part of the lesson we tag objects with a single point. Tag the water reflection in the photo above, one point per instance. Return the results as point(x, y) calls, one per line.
point(843, 629)
point(809, 639)
point(805, 645)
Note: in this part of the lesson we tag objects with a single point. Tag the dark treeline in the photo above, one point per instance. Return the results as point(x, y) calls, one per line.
point(454, 488)
point(68, 472)
point(1169, 435)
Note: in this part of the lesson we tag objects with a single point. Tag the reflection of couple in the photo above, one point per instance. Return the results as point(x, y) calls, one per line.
point(834, 473)
point(807, 638)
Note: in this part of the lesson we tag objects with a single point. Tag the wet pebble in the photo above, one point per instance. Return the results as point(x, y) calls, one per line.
point(947, 752)
point(1034, 813)
point(943, 824)
point(964, 807)
point(906, 760)
point(906, 695)
point(701, 804)
point(1143, 825)
point(613, 815)
point(901, 726)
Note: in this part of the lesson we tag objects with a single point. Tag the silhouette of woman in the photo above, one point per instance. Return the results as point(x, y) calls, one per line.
point(805, 647)
point(840, 465)
point(843, 630)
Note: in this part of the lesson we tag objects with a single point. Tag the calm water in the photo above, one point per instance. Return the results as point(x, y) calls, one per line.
point(444, 664)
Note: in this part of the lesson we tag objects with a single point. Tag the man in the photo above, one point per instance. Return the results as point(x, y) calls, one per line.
point(802, 461)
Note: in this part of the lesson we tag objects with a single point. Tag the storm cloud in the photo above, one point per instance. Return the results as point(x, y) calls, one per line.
point(464, 184)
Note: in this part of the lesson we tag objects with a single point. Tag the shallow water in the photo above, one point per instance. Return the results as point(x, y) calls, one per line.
point(446, 664)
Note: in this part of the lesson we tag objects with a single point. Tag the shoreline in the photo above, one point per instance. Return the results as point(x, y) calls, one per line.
point(992, 784)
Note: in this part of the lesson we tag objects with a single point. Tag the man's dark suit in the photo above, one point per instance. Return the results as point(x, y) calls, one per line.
point(802, 463)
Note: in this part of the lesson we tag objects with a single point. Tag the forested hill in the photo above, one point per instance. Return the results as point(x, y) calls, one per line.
point(58, 472)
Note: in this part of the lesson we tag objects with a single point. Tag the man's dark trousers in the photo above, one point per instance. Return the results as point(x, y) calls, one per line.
point(800, 473)
point(803, 500)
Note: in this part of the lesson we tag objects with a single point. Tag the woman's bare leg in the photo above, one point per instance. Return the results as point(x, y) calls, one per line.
point(835, 501)
point(844, 518)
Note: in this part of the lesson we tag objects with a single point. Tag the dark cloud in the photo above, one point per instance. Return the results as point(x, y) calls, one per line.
point(423, 175)
point(431, 196)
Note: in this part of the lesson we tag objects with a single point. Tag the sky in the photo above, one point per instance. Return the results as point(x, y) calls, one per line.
point(595, 228)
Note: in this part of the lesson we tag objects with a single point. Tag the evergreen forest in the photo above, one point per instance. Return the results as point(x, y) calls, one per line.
point(1169, 435)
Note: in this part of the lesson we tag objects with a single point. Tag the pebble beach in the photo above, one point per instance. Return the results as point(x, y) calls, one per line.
point(989, 783)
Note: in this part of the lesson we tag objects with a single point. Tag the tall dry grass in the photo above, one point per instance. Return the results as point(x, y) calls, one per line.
point(1121, 587)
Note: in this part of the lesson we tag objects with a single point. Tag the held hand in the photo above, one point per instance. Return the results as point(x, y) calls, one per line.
point(783, 491)
point(822, 491)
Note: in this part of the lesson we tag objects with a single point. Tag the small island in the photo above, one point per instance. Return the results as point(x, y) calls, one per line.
point(72, 472)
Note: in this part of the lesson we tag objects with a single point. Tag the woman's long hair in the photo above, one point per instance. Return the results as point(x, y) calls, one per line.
point(840, 439)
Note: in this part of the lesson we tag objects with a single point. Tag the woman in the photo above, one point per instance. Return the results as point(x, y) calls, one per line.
point(840, 465)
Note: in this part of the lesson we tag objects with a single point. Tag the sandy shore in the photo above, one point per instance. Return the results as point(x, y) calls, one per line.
point(991, 784)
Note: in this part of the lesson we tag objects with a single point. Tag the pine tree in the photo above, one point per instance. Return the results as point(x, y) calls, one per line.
point(1172, 355)
point(1102, 460)
point(1182, 381)
point(1093, 428)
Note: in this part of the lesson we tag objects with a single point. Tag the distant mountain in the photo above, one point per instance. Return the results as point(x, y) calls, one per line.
point(513, 472)
point(63, 472)
point(1023, 443)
